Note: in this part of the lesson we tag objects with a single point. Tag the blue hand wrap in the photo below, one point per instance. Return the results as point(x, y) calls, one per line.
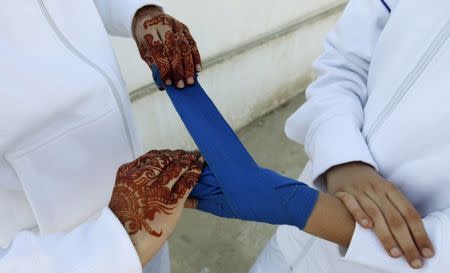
point(233, 185)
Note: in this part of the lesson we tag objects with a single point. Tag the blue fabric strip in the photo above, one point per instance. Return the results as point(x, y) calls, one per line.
point(386, 5)
point(233, 185)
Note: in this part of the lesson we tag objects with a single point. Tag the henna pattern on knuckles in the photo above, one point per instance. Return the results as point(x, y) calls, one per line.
point(141, 190)
point(173, 50)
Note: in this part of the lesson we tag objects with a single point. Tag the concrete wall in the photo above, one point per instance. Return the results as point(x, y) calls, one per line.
point(257, 55)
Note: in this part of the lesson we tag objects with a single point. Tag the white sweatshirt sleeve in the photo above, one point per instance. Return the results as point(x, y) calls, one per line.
point(98, 246)
point(329, 123)
point(117, 15)
point(365, 248)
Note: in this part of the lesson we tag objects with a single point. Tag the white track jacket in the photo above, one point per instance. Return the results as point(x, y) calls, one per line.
point(65, 128)
point(382, 97)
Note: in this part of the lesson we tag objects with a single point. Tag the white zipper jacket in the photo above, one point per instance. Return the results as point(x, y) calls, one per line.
point(65, 128)
point(382, 97)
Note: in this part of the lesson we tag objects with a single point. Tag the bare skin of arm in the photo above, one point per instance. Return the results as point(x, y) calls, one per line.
point(331, 220)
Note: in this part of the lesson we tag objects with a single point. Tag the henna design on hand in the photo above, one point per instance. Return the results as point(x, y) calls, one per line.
point(153, 184)
point(166, 42)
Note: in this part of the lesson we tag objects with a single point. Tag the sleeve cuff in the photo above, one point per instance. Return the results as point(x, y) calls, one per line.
point(336, 141)
point(123, 12)
point(100, 245)
point(133, 263)
point(366, 250)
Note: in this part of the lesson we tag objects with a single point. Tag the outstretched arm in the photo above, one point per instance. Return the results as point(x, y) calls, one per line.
point(234, 186)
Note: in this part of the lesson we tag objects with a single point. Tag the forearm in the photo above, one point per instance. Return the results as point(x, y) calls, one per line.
point(330, 220)
point(147, 246)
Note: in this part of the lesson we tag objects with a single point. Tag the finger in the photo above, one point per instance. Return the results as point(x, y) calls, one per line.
point(402, 234)
point(172, 174)
point(191, 203)
point(355, 209)
point(188, 180)
point(158, 159)
point(172, 48)
point(186, 54)
point(414, 221)
point(186, 157)
point(188, 63)
point(380, 226)
point(189, 157)
point(399, 230)
point(159, 56)
point(194, 49)
point(154, 160)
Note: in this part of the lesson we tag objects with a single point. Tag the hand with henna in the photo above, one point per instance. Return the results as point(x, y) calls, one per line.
point(166, 42)
point(149, 196)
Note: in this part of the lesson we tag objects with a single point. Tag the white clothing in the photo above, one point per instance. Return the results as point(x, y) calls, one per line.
point(382, 98)
point(66, 127)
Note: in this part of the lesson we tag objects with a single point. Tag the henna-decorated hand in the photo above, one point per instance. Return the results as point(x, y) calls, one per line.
point(166, 42)
point(150, 194)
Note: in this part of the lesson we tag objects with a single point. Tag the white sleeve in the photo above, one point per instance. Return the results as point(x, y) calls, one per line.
point(365, 248)
point(117, 15)
point(98, 246)
point(329, 123)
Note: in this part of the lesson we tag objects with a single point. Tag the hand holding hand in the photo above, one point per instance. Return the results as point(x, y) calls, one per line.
point(376, 203)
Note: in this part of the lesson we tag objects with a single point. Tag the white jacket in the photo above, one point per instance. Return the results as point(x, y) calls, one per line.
point(65, 128)
point(382, 97)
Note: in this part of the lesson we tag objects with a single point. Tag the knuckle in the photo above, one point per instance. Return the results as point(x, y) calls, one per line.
point(377, 187)
point(388, 186)
point(396, 223)
point(372, 211)
point(183, 26)
point(412, 215)
point(122, 169)
point(345, 197)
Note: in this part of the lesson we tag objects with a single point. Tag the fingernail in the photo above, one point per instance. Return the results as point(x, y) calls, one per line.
point(427, 253)
point(365, 222)
point(416, 263)
point(168, 82)
point(395, 252)
point(198, 67)
point(190, 80)
point(180, 84)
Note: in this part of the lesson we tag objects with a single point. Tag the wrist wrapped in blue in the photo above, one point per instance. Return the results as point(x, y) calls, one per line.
point(233, 185)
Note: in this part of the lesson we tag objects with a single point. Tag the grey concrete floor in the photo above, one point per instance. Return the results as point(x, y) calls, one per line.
point(206, 244)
